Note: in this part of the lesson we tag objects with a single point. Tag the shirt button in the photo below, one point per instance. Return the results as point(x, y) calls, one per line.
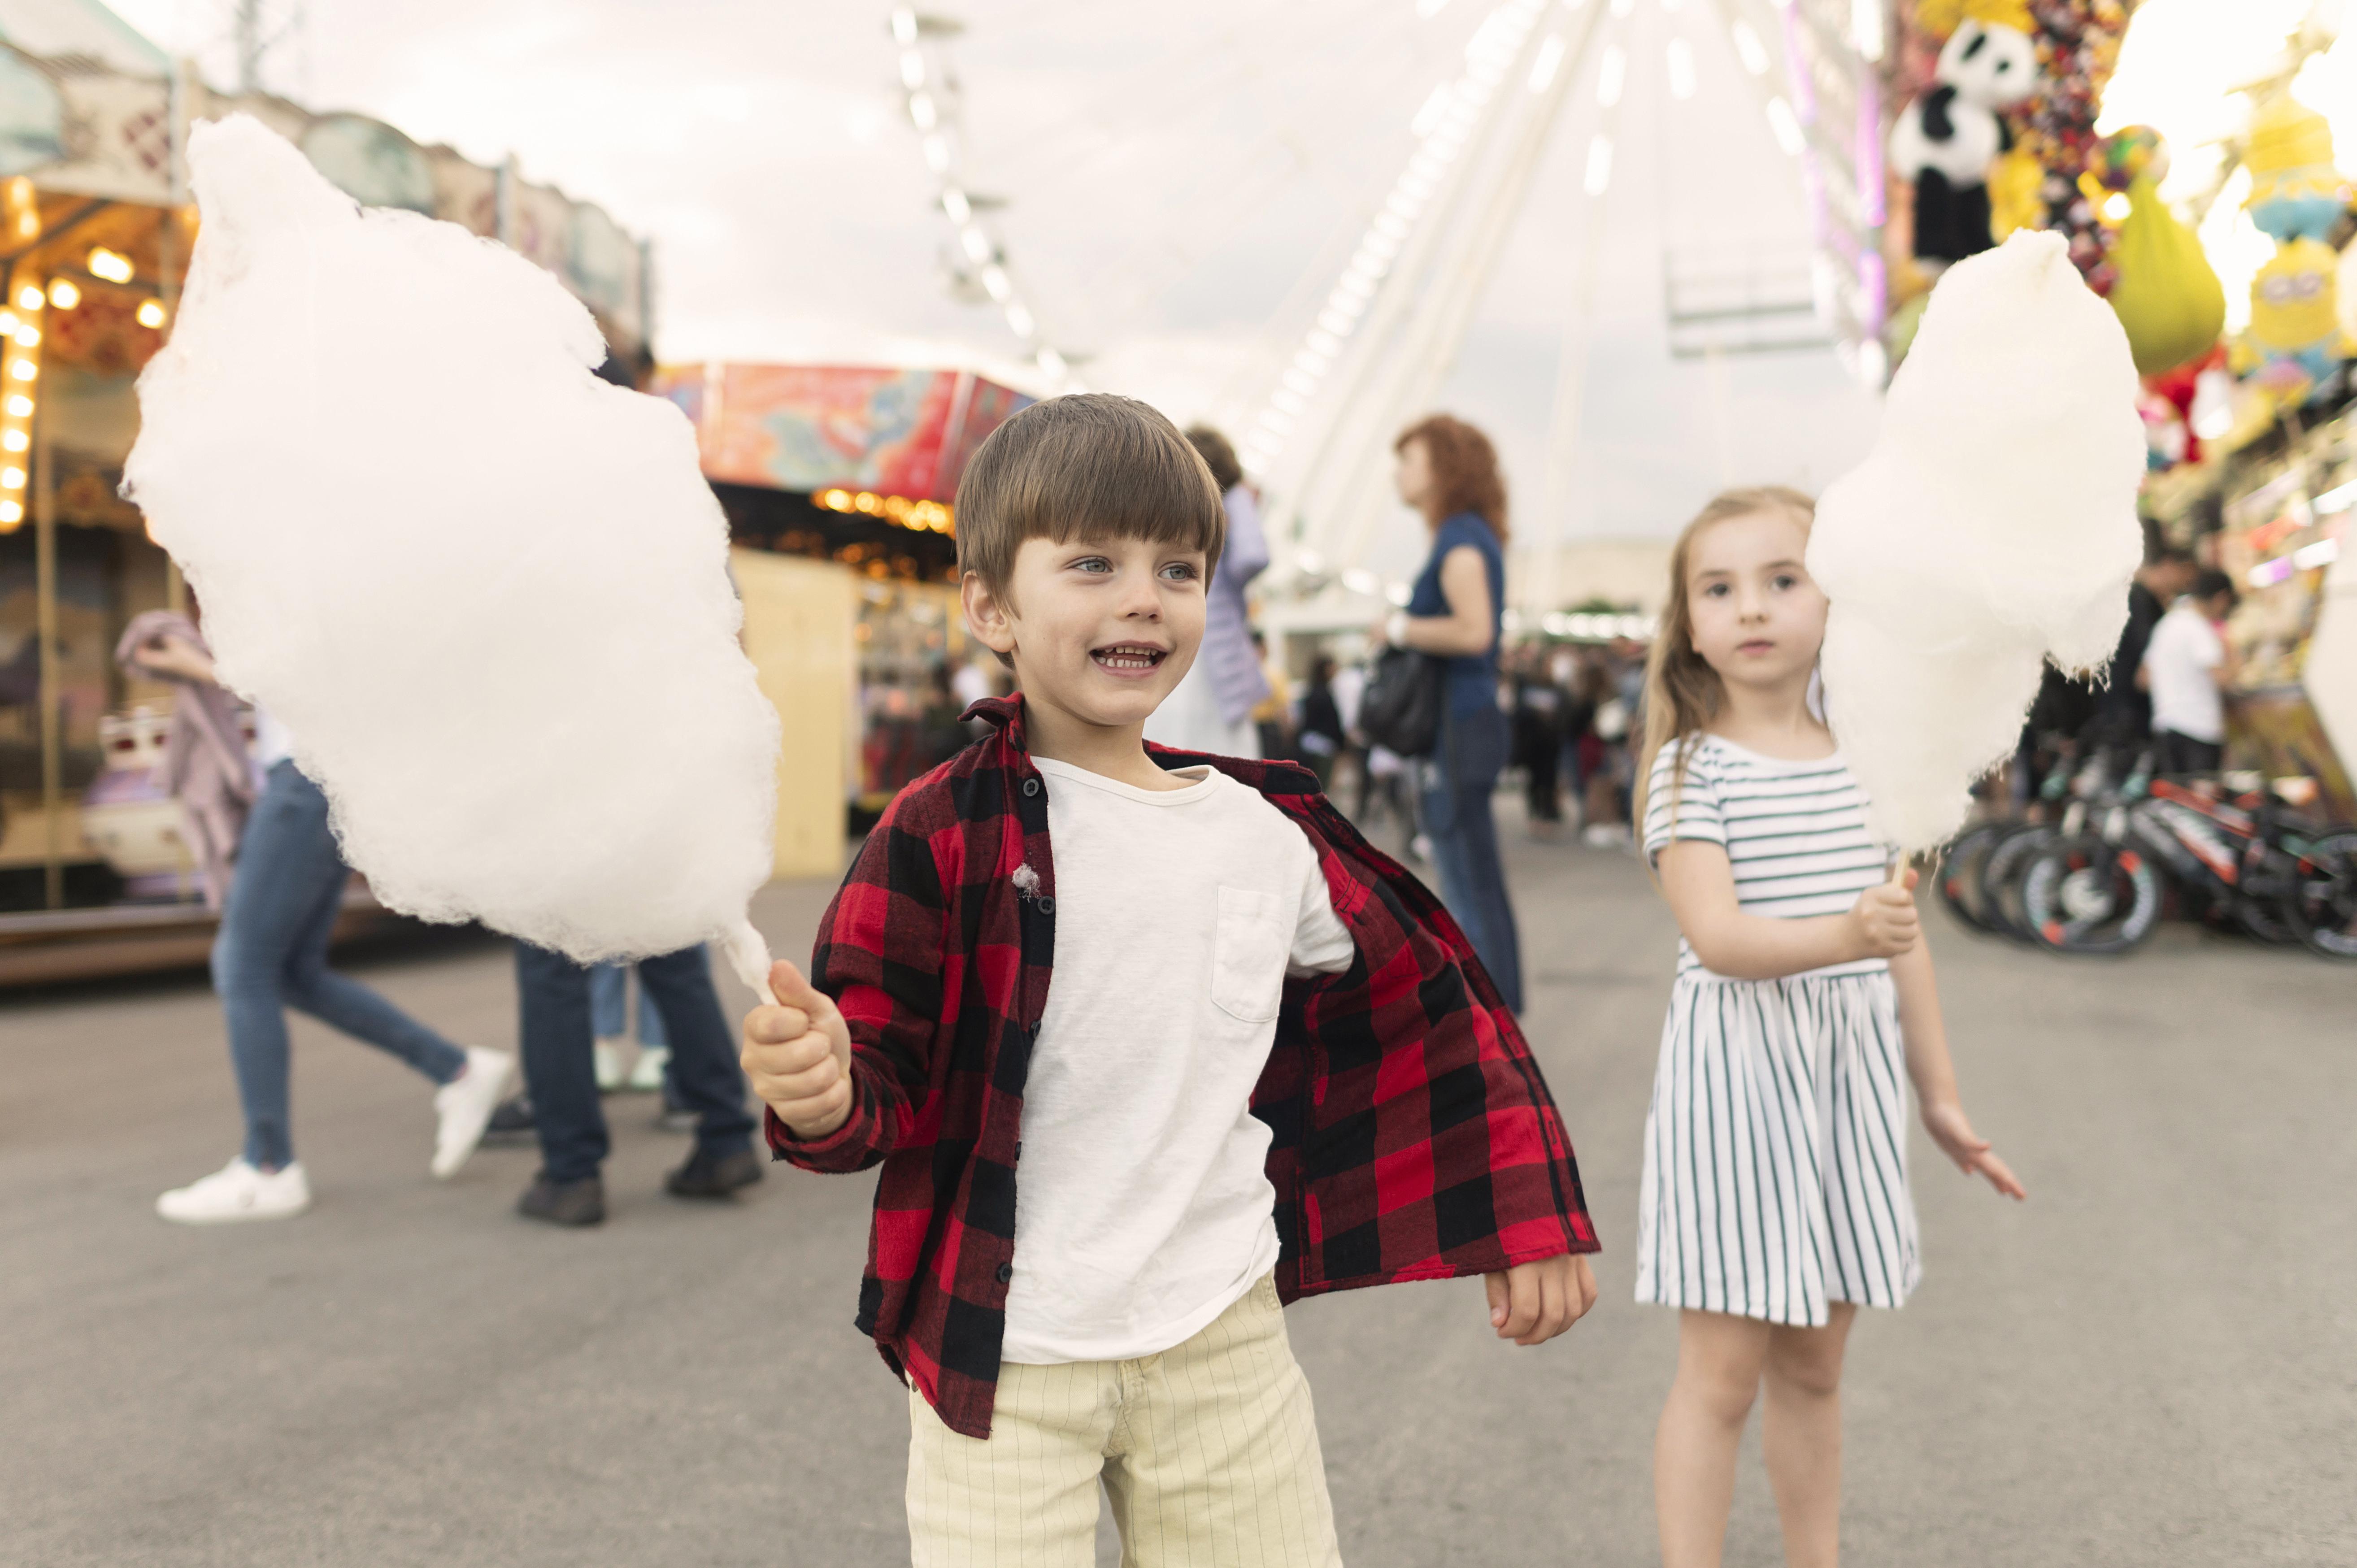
point(1047, 906)
point(1005, 1272)
point(1030, 786)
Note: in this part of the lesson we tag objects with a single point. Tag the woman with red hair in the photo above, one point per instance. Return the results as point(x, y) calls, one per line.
point(1448, 471)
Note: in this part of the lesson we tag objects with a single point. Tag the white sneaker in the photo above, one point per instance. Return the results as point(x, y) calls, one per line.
point(465, 1105)
point(616, 1059)
point(647, 1074)
point(237, 1191)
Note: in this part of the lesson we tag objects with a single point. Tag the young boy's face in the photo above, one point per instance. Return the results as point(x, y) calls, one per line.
point(1100, 628)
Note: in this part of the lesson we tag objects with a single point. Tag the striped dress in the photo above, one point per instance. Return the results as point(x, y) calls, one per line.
point(1776, 1148)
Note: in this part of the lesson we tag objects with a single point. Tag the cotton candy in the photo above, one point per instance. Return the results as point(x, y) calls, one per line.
point(486, 592)
point(1992, 527)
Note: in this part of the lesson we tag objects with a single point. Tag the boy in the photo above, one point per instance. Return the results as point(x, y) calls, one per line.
point(1269, 1064)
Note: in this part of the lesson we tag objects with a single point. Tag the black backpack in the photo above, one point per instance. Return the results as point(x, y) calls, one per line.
point(1400, 709)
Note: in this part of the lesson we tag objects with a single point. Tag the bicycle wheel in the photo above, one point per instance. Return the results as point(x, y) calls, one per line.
point(2001, 875)
point(2323, 907)
point(2082, 895)
point(1960, 875)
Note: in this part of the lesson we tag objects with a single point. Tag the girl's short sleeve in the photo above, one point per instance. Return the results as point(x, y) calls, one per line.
point(1686, 809)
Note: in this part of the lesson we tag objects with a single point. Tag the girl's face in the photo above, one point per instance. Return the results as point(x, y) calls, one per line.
point(1758, 617)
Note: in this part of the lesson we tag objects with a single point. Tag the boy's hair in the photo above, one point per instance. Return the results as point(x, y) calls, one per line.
point(2212, 583)
point(1090, 462)
point(1682, 691)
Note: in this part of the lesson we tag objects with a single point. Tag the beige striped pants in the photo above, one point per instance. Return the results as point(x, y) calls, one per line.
point(1207, 1451)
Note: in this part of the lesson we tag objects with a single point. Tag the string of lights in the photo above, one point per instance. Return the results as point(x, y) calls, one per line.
point(1441, 127)
point(928, 95)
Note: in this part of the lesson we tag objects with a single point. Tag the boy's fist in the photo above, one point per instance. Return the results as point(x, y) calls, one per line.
point(798, 1054)
point(1884, 920)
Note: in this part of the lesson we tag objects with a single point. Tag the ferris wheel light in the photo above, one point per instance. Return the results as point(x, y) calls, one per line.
point(1321, 347)
point(1427, 118)
point(1787, 126)
point(1747, 45)
point(1019, 322)
point(1550, 60)
point(1612, 75)
point(955, 203)
point(1053, 363)
point(1682, 70)
point(922, 111)
point(976, 243)
point(1599, 165)
point(904, 25)
point(995, 285)
point(937, 153)
point(1866, 28)
point(912, 71)
point(1286, 402)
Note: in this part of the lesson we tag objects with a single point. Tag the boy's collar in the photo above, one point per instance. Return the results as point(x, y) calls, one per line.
point(1005, 712)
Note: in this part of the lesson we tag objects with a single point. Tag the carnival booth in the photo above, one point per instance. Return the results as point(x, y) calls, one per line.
point(95, 233)
point(838, 482)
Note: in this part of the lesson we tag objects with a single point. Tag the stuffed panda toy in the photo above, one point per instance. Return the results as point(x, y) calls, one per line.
point(1946, 139)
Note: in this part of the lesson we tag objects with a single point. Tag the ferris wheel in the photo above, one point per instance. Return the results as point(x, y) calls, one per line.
point(1419, 126)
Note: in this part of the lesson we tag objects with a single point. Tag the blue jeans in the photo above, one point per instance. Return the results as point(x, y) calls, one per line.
point(271, 953)
point(562, 1077)
point(609, 1012)
point(1457, 783)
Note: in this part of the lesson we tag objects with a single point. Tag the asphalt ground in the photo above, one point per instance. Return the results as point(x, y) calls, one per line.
point(2152, 1362)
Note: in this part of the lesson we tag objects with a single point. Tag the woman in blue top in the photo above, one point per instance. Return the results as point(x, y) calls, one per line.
point(1448, 471)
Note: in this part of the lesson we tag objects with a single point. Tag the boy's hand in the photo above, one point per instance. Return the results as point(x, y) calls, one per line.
point(1883, 922)
point(1529, 1304)
point(1946, 1121)
point(798, 1054)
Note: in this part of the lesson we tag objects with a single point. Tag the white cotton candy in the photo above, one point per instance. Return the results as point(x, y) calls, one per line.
point(1992, 526)
point(486, 592)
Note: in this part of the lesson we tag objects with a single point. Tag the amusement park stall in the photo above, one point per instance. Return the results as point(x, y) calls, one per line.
point(838, 482)
point(95, 232)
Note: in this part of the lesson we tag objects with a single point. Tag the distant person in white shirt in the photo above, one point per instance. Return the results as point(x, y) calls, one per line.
point(2188, 668)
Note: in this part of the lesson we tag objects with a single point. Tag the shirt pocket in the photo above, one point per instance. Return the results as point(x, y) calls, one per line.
point(1248, 953)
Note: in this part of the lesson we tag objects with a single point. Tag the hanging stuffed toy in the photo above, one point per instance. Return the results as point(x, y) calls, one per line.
point(1947, 139)
point(2295, 341)
point(2163, 288)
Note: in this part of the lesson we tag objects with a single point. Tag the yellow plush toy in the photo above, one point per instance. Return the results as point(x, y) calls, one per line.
point(2295, 338)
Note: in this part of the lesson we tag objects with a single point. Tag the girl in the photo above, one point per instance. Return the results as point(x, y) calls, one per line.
point(1775, 1196)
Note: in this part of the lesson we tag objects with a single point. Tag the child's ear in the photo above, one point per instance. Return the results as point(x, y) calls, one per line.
point(985, 614)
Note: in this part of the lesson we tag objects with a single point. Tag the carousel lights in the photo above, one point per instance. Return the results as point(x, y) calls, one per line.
point(1441, 128)
point(29, 298)
point(19, 406)
point(14, 441)
point(11, 514)
point(150, 314)
point(63, 294)
point(23, 370)
point(112, 265)
point(26, 335)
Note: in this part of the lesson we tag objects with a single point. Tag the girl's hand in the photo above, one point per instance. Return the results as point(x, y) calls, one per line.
point(1883, 922)
point(1949, 1127)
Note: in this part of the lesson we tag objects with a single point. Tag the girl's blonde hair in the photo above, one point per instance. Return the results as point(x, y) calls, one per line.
point(1681, 692)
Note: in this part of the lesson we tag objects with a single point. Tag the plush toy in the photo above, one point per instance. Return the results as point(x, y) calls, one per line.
point(2296, 191)
point(2295, 340)
point(1946, 140)
point(2161, 285)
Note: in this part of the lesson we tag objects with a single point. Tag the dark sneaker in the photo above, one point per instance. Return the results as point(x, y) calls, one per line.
point(579, 1202)
point(710, 1175)
point(511, 1119)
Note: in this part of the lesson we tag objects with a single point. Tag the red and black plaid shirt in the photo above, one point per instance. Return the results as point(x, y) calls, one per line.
point(1414, 1137)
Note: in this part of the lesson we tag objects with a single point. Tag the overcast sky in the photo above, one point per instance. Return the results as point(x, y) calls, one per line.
point(1182, 183)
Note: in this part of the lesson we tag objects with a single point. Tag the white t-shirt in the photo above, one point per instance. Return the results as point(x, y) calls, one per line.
point(1142, 1208)
point(2184, 650)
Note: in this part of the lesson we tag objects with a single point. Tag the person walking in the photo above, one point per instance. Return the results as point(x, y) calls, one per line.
point(1213, 708)
point(1539, 706)
point(285, 893)
point(1448, 471)
point(560, 1075)
point(2187, 671)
